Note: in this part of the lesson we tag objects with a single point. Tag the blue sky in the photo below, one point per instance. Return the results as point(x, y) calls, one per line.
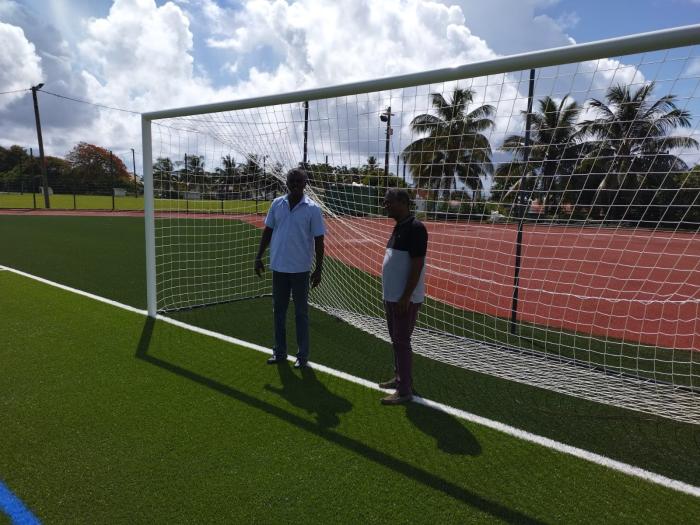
point(151, 54)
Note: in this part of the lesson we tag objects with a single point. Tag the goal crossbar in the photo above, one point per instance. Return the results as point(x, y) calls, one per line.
point(627, 45)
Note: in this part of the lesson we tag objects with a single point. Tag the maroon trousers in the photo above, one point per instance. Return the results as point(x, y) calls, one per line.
point(401, 327)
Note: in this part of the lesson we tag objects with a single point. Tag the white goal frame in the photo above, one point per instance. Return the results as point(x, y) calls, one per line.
point(603, 49)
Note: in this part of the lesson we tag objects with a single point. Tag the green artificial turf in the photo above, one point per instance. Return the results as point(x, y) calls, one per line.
point(102, 255)
point(105, 256)
point(109, 417)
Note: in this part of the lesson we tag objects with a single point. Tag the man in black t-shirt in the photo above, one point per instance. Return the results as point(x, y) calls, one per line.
point(403, 289)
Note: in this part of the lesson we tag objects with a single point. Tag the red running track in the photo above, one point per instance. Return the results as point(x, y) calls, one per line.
point(636, 285)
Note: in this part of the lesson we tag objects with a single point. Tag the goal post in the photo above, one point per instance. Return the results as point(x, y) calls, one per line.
point(560, 189)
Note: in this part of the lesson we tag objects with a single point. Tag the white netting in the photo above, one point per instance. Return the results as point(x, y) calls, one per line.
point(594, 206)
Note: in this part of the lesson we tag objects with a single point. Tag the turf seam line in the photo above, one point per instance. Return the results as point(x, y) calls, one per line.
point(15, 509)
point(563, 448)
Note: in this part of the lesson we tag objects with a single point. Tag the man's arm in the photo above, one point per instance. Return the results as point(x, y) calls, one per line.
point(264, 243)
point(316, 276)
point(417, 264)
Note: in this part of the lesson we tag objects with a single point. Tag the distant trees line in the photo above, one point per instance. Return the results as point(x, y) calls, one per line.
point(618, 166)
point(86, 169)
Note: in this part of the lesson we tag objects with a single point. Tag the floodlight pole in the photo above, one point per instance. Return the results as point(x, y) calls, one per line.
point(520, 206)
point(42, 160)
point(386, 117)
point(187, 188)
point(306, 133)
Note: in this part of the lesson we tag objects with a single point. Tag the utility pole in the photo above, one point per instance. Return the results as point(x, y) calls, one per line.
point(136, 188)
point(111, 172)
point(398, 165)
point(42, 160)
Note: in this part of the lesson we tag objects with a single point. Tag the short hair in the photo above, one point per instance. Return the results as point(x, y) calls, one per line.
point(298, 171)
point(399, 194)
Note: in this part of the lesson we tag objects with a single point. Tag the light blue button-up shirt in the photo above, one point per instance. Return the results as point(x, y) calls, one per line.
point(292, 246)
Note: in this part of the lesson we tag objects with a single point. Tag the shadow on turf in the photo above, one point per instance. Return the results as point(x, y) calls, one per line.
point(309, 394)
point(403, 468)
point(451, 435)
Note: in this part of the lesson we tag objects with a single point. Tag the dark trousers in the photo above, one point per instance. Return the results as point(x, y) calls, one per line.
point(296, 284)
point(401, 327)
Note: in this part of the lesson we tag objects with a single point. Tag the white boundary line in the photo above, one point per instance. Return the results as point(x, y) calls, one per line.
point(592, 457)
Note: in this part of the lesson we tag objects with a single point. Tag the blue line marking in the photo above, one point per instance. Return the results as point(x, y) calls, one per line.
point(11, 505)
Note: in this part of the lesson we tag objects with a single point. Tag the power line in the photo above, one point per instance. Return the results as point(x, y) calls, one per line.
point(15, 91)
point(91, 103)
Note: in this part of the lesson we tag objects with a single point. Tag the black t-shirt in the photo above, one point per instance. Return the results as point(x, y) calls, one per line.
point(408, 240)
point(410, 236)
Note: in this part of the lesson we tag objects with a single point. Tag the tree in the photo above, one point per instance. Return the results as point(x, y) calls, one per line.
point(677, 203)
point(19, 172)
point(164, 177)
point(552, 154)
point(454, 146)
point(373, 175)
point(94, 169)
point(11, 157)
point(630, 148)
point(227, 177)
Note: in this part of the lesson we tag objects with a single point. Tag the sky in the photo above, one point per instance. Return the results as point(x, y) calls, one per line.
point(144, 55)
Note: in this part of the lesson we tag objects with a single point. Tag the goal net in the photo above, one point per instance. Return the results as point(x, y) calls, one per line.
point(561, 197)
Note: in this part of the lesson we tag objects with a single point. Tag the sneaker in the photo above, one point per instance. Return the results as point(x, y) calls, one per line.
point(396, 399)
point(387, 385)
point(276, 359)
point(300, 364)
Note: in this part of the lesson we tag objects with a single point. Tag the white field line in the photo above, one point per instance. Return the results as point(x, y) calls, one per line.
point(592, 457)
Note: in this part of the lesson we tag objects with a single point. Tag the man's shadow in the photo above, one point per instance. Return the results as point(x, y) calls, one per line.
point(449, 432)
point(309, 394)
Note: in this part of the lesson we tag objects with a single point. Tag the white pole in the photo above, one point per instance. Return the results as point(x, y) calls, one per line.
point(149, 217)
point(626, 45)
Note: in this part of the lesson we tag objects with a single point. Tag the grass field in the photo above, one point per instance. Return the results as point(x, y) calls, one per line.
point(104, 202)
point(153, 421)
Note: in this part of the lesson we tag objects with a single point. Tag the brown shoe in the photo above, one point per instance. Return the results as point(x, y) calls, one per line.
point(396, 399)
point(388, 384)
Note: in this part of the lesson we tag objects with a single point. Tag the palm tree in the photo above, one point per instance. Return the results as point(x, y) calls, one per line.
point(229, 165)
point(631, 146)
point(226, 177)
point(454, 146)
point(164, 176)
point(551, 155)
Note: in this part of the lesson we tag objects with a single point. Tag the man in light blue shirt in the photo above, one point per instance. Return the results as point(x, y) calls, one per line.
point(294, 230)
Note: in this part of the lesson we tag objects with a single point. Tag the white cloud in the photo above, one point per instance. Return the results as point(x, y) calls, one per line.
point(20, 66)
point(513, 27)
point(151, 69)
point(317, 43)
point(141, 56)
